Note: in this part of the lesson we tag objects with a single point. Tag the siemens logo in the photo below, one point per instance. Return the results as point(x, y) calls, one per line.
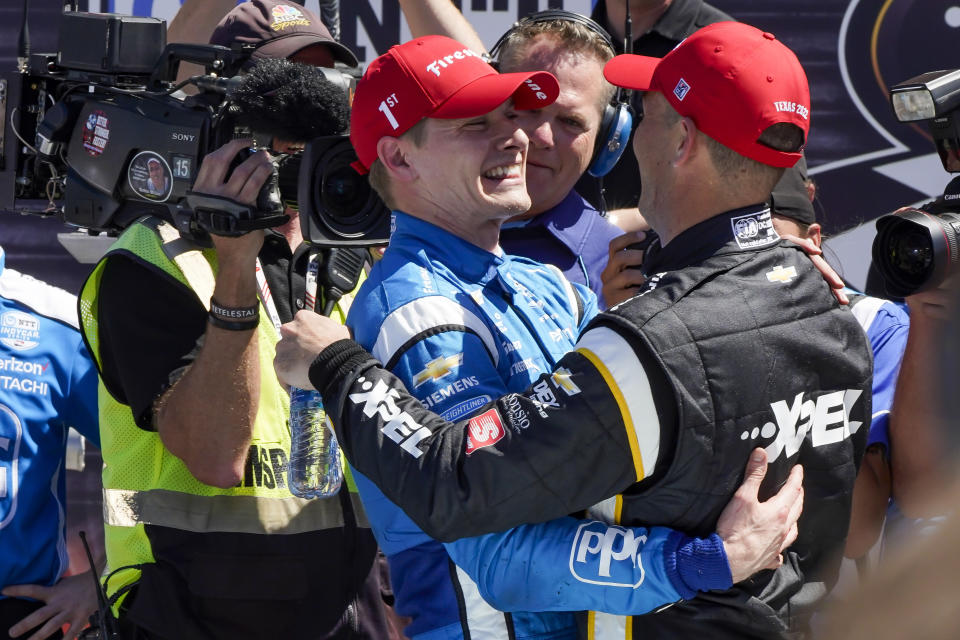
point(452, 389)
point(608, 555)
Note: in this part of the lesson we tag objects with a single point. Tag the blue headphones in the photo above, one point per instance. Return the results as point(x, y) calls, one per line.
point(617, 120)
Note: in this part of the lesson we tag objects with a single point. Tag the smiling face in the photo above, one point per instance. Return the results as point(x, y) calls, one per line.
point(472, 169)
point(562, 136)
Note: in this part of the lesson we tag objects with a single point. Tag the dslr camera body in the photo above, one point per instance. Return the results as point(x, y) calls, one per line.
point(98, 135)
point(917, 249)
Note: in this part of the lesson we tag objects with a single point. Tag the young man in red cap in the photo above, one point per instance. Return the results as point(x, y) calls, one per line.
point(432, 123)
point(204, 538)
point(736, 342)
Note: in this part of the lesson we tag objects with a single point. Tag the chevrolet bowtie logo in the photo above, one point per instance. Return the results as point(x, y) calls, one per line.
point(779, 274)
point(562, 378)
point(438, 368)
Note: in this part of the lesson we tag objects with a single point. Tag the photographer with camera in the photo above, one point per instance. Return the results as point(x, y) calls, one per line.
point(204, 538)
point(915, 256)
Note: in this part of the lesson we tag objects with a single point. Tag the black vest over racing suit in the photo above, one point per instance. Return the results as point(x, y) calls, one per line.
point(759, 354)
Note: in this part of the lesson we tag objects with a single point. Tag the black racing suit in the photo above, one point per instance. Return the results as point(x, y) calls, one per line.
point(735, 343)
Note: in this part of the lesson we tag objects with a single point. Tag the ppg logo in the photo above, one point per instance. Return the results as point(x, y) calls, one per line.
point(608, 555)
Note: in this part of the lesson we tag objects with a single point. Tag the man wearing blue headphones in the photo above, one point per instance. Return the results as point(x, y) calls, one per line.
point(584, 132)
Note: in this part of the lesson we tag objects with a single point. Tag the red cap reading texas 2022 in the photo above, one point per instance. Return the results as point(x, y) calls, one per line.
point(434, 77)
point(733, 80)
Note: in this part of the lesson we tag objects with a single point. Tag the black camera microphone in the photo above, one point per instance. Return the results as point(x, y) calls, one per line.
point(291, 101)
point(275, 99)
point(340, 273)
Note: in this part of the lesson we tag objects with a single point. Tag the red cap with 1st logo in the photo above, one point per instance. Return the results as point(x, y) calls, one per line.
point(434, 77)
point(733, 80)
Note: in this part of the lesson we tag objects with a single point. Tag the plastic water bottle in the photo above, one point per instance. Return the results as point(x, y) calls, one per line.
point(315, 470)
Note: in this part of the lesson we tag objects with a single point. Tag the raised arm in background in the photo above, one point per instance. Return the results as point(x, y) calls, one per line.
point(440, 17)
point(917, 427)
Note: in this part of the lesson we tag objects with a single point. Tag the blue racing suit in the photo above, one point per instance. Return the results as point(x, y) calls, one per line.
point(47, 384)
point(887, 325)
point(460, 326)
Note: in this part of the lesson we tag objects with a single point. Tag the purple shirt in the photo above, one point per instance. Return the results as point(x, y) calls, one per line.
point(572, 236)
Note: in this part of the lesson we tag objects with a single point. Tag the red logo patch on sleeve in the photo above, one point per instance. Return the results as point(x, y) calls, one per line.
point(484, 430)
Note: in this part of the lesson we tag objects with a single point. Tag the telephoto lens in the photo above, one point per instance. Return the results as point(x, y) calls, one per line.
point(345, 194)
point(915, 250)
point(338, 207)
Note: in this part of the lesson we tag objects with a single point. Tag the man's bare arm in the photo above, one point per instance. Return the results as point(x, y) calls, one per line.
point(193, 24)
point(206, 418)
point(871, 496)
point(916, 422)
point(440, 17)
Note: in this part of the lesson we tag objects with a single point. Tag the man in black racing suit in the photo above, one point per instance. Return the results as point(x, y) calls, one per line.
point(735, 342)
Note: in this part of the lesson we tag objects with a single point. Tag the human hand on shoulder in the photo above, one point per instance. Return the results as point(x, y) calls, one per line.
point(622, 277)
point(815, 253)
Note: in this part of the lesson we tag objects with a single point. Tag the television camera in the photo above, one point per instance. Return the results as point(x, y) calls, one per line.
point(98, 134)
point(916, 249)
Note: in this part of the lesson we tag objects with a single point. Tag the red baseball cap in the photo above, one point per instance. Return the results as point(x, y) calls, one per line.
point(434, 77)
point(278, 30)
point(733, 80)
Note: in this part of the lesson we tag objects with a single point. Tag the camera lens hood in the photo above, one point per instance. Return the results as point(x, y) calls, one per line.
point(915, 250)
